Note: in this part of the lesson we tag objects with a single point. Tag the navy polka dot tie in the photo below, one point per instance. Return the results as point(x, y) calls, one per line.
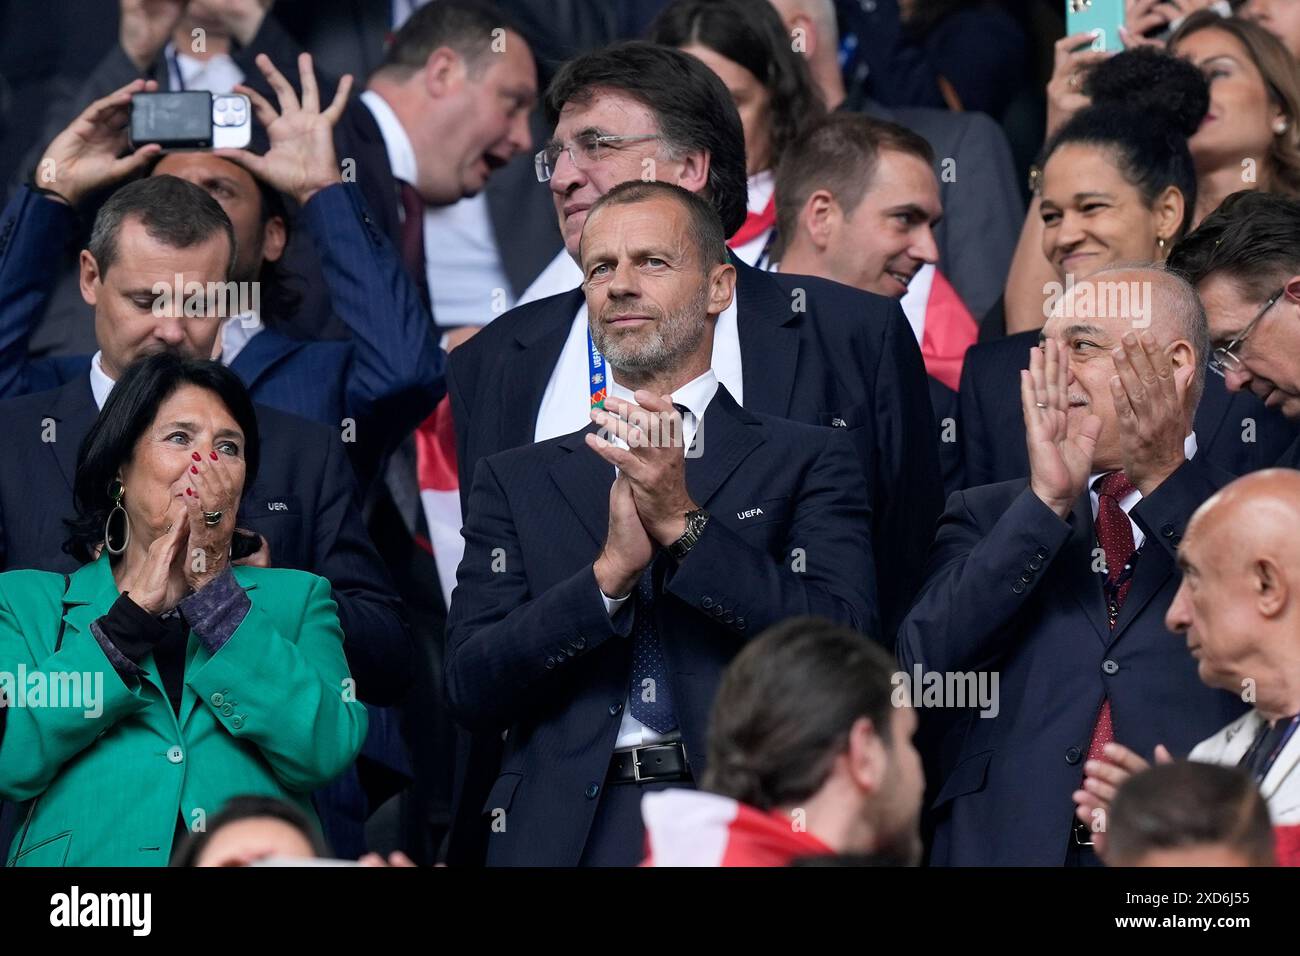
point(650, 695)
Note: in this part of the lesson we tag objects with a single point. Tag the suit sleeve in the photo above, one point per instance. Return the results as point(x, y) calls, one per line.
point(975, 585)
point(38, 741)
point(505, 648)
point(908, 490)
point(460, 384)
point(827, 569)
point(33, 231)
point(398, 370)
point(975, 441)
point(377, 637)
point(291, 695)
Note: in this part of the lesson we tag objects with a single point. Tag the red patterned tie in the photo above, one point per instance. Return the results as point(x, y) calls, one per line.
point(1115, 535)
point(411, 238)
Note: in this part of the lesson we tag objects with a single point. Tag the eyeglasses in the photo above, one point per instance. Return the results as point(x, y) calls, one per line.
point(1226, 359)
point(585, 151)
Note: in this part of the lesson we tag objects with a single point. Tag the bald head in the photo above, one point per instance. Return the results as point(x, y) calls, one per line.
point(1239, 601)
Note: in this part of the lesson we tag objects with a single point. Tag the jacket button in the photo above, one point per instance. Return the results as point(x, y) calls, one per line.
point(1018, 588)
point(1072, 755)
point(175, 755)
point(216, 699)
point(719, 610)
point(1041, 554)
point(706, 602)
point(740, 623)
point(1026, 577)
point(1167, 530)
point(226, 710)
point(237, 721)
point(1035, 564)
point(550, 663)
point(592, 790)
point(1110, 667)
point(728, 618)
point(579, 642)
point(615, 708)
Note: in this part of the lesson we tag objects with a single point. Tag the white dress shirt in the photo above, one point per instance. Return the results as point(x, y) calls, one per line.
point(1129, 501)
point(695, 397)
point(466, 273)
point(218, 73)
point(100, 383)
point(566, 403)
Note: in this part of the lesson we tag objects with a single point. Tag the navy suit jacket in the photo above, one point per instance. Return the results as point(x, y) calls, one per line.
point(532, 649)
point(386, 378)
point(1012, 591)
point(813, 351)
point(992, 426)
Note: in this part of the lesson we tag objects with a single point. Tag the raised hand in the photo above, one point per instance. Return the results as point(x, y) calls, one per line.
point(1102, 781)
point(1065, 95)
point(150, 583)
point(1141, 16)
point(1149, 396)
point(628, 549)
point(215, 489)
point(87, 156)
point(1060, 455)
point(242, 18)
point(654, 462)
point(301, 160)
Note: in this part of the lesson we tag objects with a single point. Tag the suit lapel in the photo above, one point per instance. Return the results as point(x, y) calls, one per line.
point(583, 477)
point(769, 343)
point(73, 409)
point(1076, 562)
point(527, 371)
point(1212, 412)
point(726, 437)
point(1149, 576)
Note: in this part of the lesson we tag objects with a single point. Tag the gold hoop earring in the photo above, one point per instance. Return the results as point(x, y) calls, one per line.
point(108, 523)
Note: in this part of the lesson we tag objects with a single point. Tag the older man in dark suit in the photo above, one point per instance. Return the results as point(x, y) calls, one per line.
point(610, 574)
point(1057, 585)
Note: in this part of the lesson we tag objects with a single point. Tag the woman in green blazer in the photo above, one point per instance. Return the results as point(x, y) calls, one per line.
point(158, 681)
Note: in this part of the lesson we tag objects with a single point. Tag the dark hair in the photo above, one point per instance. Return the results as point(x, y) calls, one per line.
point(280, 299)
point(704, 226)
point(838, 154)
point(691, 105)
point(1187, 804)
point(131, 408)
point(250, 808)
point(1253, 237)
point(1277, 68)
point(174, 212)
point(1145, 104)
point(466, 26)
point(750, 35)
point(785, 706)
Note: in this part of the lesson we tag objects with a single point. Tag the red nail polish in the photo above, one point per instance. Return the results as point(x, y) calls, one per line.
point(189, 491)
point(213, 454)
point(193, 470)
point(196, 456)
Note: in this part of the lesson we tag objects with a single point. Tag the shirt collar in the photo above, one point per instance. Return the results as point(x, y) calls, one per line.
point(1189, 452)
point(694, 396)
point(236, 332)
point(401, 154)
point(100, 383)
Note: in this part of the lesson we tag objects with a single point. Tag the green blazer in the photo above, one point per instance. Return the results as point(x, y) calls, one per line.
point(110, 773)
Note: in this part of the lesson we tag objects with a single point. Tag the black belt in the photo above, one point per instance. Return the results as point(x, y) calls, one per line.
point(659, 762)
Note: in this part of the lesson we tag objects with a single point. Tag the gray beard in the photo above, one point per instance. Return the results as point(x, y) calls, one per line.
point(674, 337)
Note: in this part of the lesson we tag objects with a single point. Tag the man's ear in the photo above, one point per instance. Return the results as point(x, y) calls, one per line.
point(444, 71)
point(1271, 588)
point(274, 238)
point(722, 287)
point(821, 219)
point(867, 756)
point(1182, 356)
point(803, 35)
point(695, 171)
point(89, 278)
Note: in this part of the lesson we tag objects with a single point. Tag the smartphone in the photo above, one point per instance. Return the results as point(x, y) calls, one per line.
point(244, 543)
point(191, 119)
point(1102, 17)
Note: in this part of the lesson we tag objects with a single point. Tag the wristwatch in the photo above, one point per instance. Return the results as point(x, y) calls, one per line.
point(695, 522)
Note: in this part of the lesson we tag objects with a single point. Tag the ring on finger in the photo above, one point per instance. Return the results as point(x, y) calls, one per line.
point(212, 518)
point(1074, 81)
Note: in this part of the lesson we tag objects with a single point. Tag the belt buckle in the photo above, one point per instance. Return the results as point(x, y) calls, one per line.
point(636, 764)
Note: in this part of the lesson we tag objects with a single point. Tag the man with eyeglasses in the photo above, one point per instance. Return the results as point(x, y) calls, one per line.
point(796, 347)
point(1244, 260)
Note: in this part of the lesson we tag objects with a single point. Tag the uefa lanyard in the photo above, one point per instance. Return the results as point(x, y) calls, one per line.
point(596, 372)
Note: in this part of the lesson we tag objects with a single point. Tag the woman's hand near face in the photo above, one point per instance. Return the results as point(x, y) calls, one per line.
point(148, 584)
point(215, 489)
point(1065, 95)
